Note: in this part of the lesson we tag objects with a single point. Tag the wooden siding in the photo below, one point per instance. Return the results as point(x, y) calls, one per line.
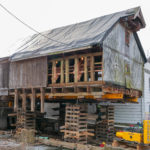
point(28, 73)
point(123, 64)
point(4, 75)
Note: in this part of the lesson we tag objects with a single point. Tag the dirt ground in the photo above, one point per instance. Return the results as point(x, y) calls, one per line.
point(10, 144)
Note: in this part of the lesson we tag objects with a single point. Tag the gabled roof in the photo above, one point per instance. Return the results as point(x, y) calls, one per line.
point(72, 37)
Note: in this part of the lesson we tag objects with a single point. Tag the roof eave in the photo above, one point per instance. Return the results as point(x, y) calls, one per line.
point(140, 47)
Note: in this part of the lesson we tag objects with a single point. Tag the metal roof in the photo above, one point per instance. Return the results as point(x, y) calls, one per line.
point(73, 36)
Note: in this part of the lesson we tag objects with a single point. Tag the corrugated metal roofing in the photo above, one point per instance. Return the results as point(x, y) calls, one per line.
point(74, 36)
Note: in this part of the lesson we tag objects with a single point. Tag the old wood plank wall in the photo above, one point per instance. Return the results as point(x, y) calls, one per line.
point(28, 73)
point(123, 64)
point(4, 75)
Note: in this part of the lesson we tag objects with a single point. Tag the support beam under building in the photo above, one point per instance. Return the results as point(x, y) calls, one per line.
point(62, 72)
point(67, 70)
point(54, 72)
point(33, 100)
point(92, 68)
point(24, 100)
point(16, 100)
point(42, 99)
point(76, 72)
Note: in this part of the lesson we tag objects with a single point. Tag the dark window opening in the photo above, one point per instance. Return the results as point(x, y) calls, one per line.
point(71, 62)
point(82, 78)
point(98, 76)
point(58, 79)
point(49, 72)
point(58, 71)
point(98, 68)
point(71, 77)
point(71, 70)
point(88, 68)
point(81, 69)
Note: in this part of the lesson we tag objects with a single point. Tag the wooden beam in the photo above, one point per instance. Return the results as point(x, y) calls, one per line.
point(33, 100)
point(42, 99)
point(76, 69)
point(54, 72)
point(16, 101)
point(85, 69)
point(62, 72)
point(112, 96)
point(67, 70)
point(68, 145)
point(24, 100)
point(92, 67)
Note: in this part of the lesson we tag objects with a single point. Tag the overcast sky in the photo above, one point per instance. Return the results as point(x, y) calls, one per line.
point(48, 14)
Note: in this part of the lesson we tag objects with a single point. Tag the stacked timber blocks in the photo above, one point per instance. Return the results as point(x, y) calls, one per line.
point(25, 128)
point(105, 125)
point(76, 123)
point(25, 119)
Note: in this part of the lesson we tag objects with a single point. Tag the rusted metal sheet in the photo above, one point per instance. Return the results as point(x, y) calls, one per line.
point(28, 73)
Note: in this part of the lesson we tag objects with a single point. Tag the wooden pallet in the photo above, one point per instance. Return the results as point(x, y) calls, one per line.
point(76, 123)
point(105, 126)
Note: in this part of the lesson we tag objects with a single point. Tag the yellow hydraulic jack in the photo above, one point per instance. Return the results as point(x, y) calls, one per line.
point(139, 136)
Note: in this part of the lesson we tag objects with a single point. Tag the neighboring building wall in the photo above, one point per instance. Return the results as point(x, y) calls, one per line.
point(28, 73)
point(123, 63)
point(147, 87)
point(129, 113)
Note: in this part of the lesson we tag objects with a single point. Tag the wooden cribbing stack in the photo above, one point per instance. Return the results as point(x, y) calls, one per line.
point(25, 119)
point(75, 129)
point(105, 125)
point(25, 126)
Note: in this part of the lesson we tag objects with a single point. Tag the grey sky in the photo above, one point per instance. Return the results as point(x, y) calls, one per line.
point(47, 14)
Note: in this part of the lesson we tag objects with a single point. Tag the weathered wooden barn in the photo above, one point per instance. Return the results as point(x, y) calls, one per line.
point(97, 60)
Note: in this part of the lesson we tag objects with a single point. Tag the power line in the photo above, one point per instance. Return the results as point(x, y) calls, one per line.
point(31, 28)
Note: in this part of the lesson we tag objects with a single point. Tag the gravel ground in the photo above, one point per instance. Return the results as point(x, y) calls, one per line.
point(12, 145)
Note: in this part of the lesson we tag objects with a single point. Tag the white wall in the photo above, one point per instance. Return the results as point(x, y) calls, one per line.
point(50, 113)
point(129, 113)
point(147, 86)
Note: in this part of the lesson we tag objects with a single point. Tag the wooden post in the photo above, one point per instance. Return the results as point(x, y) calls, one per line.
point(139, 147)
point(16, 100)
point(115, 143)
point(33, 100)
point(85, 69)
point(42, 99)
point(54, 72)
point(24, 100)
point(62, 72)
point(67, 70)
point(76, 70)
point(92, 68)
